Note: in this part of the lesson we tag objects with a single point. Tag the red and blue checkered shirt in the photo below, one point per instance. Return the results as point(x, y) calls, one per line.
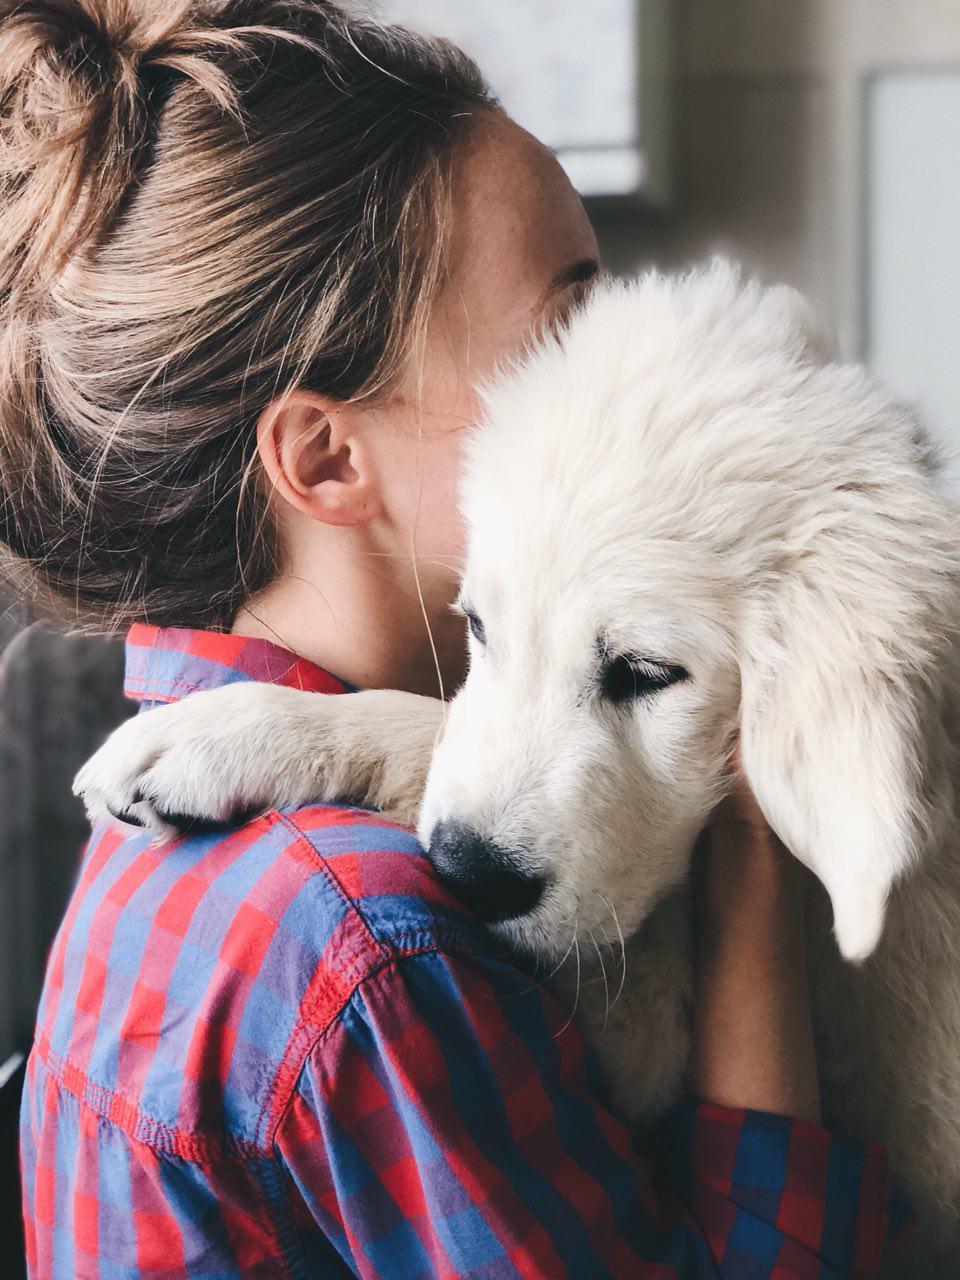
point(283, 1050)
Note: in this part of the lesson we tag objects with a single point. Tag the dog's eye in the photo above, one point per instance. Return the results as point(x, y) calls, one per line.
point(461, 606)
point(629, 676)
point(476, 627)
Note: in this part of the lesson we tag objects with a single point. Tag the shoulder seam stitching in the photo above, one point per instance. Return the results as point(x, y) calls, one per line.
point(295, 1055)
point(160, 1138)
point(391, 962)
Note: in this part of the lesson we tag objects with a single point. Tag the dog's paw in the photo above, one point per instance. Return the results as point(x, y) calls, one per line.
point(211, 759)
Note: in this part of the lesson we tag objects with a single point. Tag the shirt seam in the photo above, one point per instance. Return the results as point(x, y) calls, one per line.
point(120, 1113)
point(393, 962)
point(290, 1062)
point(254, 1169)
point(333, 879)
point(371, 954)
point(271, 1189)
point(305, 1033)
point(156, 689)
point(167, 689)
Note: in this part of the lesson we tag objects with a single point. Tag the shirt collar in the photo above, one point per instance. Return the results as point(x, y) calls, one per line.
point(165, 663)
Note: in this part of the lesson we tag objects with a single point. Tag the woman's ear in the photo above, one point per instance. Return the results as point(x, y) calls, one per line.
point(314, 455)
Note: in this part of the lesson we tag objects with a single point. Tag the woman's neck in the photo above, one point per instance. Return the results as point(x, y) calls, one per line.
point(366, 627)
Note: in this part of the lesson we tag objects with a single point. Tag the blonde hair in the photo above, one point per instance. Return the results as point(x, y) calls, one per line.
point(203, 204)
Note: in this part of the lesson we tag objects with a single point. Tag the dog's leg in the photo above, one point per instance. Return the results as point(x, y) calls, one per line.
point(246, 748)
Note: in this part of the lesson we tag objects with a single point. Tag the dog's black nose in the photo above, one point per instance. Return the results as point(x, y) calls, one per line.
point(482, 875)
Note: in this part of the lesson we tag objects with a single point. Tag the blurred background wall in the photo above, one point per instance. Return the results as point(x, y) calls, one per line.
point(786, 156)
point(815, 139)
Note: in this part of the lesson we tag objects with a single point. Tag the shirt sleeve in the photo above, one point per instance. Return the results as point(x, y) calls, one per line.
point(451, 1123)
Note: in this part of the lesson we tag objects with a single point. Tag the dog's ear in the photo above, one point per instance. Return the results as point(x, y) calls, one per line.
point(841, 708)
point(831, 753)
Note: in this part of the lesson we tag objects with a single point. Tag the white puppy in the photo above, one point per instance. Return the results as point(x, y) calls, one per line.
point(685, 520)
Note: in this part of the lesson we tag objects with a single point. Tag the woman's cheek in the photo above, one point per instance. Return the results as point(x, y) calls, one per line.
point(441, 524)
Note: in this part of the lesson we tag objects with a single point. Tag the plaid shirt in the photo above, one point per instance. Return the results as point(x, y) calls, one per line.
point(283, 1050)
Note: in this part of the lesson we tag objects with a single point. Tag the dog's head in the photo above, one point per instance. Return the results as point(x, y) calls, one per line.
point(686, 523)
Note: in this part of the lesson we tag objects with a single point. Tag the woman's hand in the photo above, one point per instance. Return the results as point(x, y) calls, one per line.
point(753, 1042)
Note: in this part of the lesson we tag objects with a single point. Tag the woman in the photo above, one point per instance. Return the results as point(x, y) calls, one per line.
point(256, 255)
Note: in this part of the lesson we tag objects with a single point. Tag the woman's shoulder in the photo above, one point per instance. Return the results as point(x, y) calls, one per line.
point(372, 875)
point(282, 883)
point(229, 951)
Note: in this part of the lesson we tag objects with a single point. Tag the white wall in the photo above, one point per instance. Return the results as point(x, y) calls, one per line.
point(912, 336)
point(769, 138)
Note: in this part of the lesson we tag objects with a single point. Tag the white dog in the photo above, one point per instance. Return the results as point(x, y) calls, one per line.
point(685, 521)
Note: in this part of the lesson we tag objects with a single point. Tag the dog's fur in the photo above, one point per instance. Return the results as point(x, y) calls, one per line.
point(686, 475)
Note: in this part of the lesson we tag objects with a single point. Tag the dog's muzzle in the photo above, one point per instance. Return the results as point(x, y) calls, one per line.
point(484, 876)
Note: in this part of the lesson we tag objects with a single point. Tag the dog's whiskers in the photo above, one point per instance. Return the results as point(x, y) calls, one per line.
point(606, 986)
point(576, 998)
point(563, 959)
point(623, 950)
point(538, 979)
point(576, 947)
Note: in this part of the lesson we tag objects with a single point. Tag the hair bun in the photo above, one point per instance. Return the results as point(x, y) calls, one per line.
point(76, 79)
